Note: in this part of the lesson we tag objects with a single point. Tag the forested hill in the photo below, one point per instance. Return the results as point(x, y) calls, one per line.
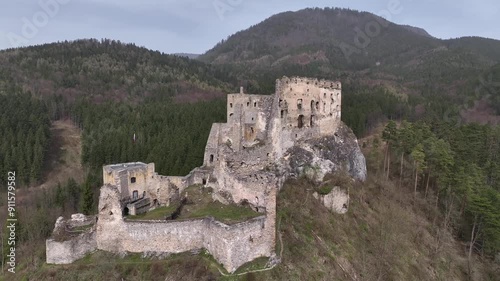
point(330, 42)
point(106, 70)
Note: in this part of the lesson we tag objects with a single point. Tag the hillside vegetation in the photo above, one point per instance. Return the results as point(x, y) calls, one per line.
point(104, 70)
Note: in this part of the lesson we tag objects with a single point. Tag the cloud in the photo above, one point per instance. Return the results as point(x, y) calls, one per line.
point(481, 11)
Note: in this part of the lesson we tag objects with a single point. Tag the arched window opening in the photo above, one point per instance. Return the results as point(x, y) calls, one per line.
point(211, 158)
point(135, 194)
point(311, 122)
point(300, 121)
point(133, 180)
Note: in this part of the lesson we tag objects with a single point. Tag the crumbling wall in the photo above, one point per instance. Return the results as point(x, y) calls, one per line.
point(248, 120)
point(66, 246)
point(212, 148)
point(65, 252)
point(232, 245)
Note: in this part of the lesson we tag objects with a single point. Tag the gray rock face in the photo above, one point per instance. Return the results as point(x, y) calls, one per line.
point(317, 157)
point(336, 201)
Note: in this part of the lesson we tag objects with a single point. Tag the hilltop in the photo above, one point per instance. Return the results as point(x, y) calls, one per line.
point(359, 45)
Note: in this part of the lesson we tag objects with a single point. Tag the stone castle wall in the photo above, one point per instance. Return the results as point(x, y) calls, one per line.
point(232, 245)
point(65, 252)
point(71, 245)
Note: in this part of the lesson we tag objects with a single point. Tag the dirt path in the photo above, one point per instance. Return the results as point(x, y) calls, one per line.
point(64, 157)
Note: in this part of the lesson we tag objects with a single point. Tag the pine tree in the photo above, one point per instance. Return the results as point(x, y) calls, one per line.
point(87, 198)
point(418, 157)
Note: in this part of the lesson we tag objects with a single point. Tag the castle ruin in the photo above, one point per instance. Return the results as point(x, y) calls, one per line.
point(245, 162)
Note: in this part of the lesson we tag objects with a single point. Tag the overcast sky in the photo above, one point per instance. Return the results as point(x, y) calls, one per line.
point(194, 26)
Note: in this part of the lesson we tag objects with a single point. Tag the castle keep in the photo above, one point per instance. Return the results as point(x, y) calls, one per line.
point(243, 163)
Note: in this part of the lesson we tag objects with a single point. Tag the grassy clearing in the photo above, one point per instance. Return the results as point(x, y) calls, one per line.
point(228, 214)
point(200, 205)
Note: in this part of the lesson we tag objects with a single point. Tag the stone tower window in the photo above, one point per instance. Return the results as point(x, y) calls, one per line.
point(211, 158)
point(135, 194)
point(251, 130)
point(300, 121)
point(311, 122)
point(312, 105)
point(255, 104)
point(299, 104)
point(282, 113)
point(317, 105)
point(248, 103)
point(231, 105)
point(324, 95)
point(133, 180)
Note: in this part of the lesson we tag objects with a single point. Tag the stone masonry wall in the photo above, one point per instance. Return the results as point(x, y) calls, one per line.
point(232, 245)
point(66, 252)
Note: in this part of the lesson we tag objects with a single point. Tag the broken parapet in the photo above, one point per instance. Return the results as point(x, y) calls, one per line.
point(71, 239)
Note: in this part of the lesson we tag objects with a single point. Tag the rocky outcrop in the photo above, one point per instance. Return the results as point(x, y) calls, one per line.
point(336, 200)
point(317, 157)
